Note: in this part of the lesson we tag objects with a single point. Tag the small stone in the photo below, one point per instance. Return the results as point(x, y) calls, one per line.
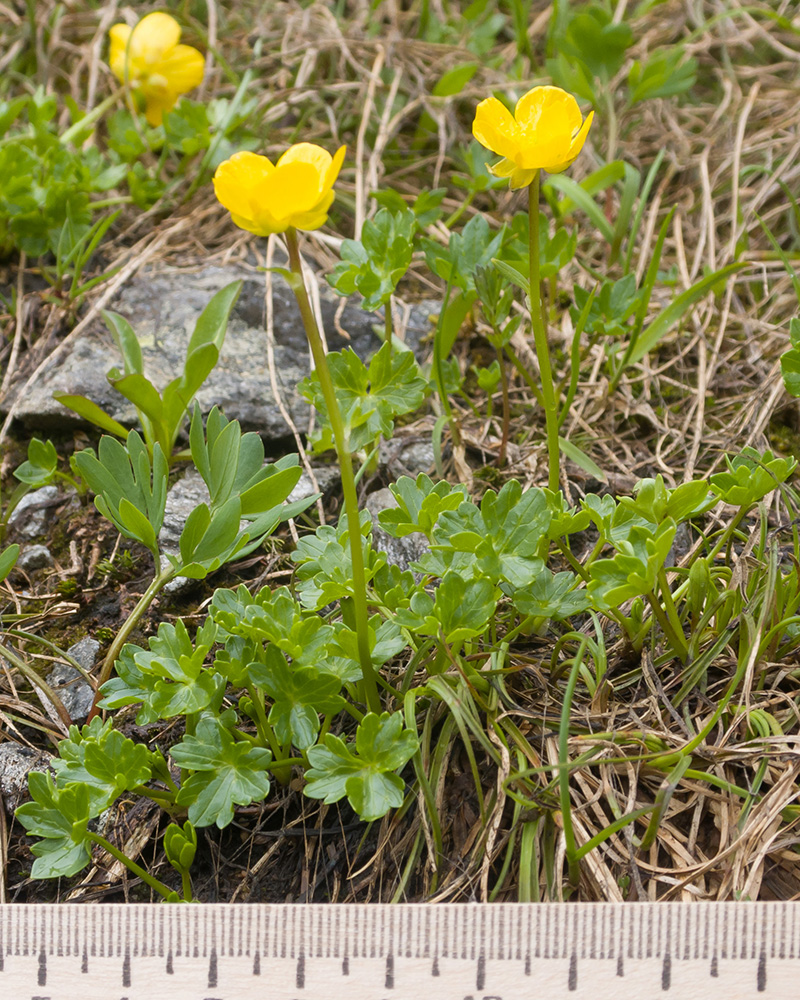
point(85, 651)
point(34, 557)
point(406, 457)
point(16, 763)
point(29, 518)
point(76, 694)
point(400, 552)
point(327, 476)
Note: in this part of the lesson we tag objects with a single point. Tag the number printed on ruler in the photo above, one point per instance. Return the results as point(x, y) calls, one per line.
point(735, 951)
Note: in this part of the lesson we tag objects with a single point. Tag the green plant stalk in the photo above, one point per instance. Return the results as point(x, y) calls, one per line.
point(388, 325)
point(501, 454)
point(160, 580)
point(186, 883)
point(129, 863)
point(360, 609)
point(563, 771)
point(540, 337)
point(91, 117)
point(674, 637)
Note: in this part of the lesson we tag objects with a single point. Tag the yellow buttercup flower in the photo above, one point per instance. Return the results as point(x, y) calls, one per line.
point(546, 132)
point(149, 57)
point(294, 193)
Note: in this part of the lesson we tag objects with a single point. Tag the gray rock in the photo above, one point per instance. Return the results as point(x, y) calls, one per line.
point(16, 763)
point(163, 305)
point(34, 557)
point(400, 552)
point(32, 514)
point(75, 692)
point(327, 476)
point(406, 457)
point(85, 651)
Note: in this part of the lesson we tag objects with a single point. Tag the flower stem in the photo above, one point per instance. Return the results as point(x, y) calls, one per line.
point(154, 883)
point(144, 602)
point(90, 118)
point(360, 610)
point(540, 337)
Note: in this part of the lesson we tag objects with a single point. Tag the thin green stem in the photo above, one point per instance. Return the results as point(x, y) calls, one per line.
point(360, 609)
point(540, 337)
point(563, 771)
point(90, 118)
point(130, 623)
point(154, 883)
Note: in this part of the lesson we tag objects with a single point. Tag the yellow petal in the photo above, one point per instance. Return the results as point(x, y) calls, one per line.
point(118, 36)
point(291, 189)
point(546, 112)
point(183, 68)
point(153, 37)
point(316, 217)
point(333, 169)
point(239, 181)
point(495, 129)
point(156, 103)
point(580, 137)
point(307, 152)
point(547, 154)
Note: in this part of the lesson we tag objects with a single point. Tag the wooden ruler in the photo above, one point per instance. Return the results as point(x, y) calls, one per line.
point(735, 951)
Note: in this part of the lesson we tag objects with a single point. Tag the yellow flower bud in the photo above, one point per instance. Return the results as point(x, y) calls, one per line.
point(149, 57)
point(546, 132)
point(296, 192)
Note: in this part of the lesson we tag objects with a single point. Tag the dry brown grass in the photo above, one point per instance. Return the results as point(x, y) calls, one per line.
point(711, 388)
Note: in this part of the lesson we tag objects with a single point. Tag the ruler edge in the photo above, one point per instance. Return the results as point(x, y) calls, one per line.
point(467, 931)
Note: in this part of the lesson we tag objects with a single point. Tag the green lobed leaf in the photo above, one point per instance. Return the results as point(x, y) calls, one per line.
point(225, 773)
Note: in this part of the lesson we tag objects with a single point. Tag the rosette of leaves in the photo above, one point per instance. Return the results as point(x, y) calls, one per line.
point(364, 772)
point(373, 265)
point(370, 396)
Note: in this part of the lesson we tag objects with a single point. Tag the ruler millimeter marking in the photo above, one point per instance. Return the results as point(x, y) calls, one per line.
point(375, 952)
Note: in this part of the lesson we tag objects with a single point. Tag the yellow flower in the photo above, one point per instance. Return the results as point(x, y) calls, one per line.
point(546, 133)
point(296, 192)
point(153, 62)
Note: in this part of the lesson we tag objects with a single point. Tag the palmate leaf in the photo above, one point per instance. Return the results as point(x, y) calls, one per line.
point(104, 760)
point(131, 492)
point(374, 264)
point(370, 397)
point(367, 776)
point(224, 773)
point(60, 817)
point(419, 504)
point(504, 535)
point(299, 695)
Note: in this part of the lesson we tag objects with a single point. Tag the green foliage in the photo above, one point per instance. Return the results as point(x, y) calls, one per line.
point(225, 773)
point(169, 678)
point(131, 492)
point(370, 396)
point(466, 251)
point(419, 504)
point(375, 264)
point(633, 570)
point(750, 476)
point(299, 695)
point(161, 414)
point(503, 537)
point(103, 760)
point(365, 776)
point(8, 559)
point(59, 816)
point(592, 47)
point(47, 188)
point(790, 360)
